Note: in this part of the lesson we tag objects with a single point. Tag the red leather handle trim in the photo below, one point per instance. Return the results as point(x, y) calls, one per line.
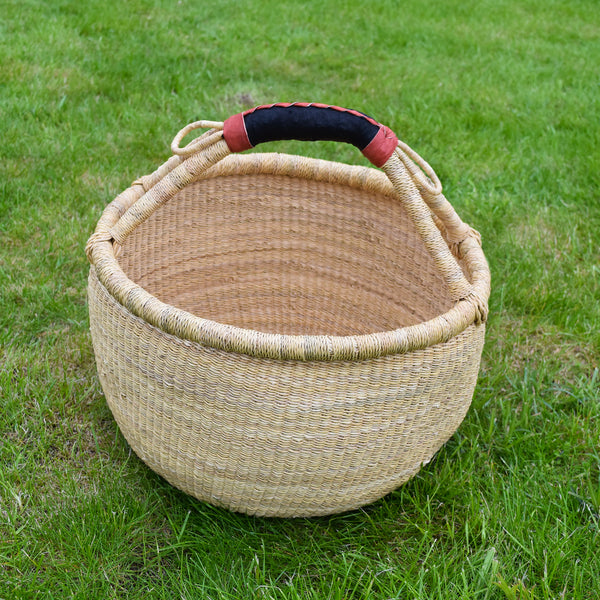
point(381, 146)
point(235, 134)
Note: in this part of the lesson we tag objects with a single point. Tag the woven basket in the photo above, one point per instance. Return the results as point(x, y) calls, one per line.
point(281, 335)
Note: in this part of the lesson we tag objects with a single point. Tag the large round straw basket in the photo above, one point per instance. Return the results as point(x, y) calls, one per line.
point(281, 335)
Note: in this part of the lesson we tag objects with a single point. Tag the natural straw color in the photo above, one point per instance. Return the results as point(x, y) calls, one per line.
point(286, 336)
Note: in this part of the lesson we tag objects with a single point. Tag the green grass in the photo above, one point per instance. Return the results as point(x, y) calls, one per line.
point(502, 98)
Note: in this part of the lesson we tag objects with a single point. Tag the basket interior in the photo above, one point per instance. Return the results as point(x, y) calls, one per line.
point(287, 255)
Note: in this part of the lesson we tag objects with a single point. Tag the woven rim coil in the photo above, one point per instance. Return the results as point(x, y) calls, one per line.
point(281, 335)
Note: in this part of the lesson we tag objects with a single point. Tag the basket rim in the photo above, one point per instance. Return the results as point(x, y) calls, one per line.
point(103, 252)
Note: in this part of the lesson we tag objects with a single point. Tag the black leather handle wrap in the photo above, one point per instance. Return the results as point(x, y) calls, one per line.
point(309, 123)
point(303, 121)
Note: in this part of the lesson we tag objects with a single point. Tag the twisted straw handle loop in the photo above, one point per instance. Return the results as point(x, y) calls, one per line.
point(412, 161)
point(201, 142)
point(430, 188)
point(408, 193)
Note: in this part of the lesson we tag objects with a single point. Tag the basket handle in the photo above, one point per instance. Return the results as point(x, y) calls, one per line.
point(310, 122)
point(414, 181)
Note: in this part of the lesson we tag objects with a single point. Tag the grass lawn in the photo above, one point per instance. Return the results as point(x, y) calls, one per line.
point(502, 98)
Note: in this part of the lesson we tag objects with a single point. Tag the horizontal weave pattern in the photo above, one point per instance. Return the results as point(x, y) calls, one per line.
point(278, 438)
point(287, 256)
point(283, 336)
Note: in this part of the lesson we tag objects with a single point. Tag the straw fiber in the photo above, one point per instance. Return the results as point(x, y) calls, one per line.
point(285, 336)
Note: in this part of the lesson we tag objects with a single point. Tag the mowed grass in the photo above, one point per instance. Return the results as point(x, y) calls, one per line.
point(502, 98)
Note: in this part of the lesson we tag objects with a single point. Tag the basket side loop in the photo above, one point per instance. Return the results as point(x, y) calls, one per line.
point(409, 194)
point(201, 142)
point(418, 167)
point(456, 231)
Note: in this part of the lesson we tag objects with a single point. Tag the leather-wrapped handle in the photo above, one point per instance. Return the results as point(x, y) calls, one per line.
point(309, 121)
